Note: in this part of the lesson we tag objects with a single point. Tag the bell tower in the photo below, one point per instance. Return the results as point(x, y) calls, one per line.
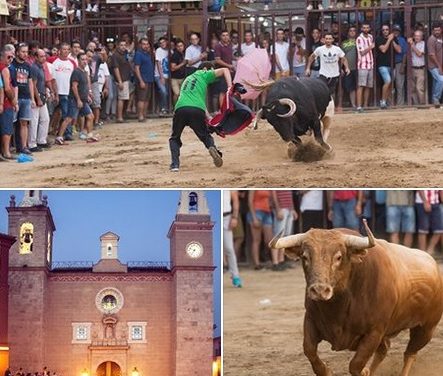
point(191, 256)
point(29, 264)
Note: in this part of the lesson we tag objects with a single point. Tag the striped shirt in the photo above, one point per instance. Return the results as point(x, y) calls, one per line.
point(285, 200)
point(432, 196)
point(365, 61)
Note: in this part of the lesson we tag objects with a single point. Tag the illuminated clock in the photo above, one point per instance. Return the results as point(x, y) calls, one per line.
point(194, 250)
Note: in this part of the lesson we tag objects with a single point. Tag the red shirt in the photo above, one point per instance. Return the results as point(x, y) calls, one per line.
point(6, 102)
point(285, 199)
point(224, 52)
point(344, 195)
point(261, 201)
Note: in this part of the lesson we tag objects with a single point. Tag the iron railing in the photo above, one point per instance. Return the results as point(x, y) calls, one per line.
point(142, 265)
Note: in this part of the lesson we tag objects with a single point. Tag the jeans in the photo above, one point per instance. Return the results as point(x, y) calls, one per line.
point(437, 85)
point(163, 93)
point(228, 247)
point(344, 214)
point(299, 71)
point(399, 85)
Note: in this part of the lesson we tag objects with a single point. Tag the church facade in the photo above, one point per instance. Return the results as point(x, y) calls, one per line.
point(110, 318)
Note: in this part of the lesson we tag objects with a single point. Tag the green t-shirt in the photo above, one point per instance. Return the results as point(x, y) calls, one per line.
point(194, 88)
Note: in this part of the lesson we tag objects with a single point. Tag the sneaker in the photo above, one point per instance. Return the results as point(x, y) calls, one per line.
point(35, 149)
point(266, 7)
point(320, 7)
point(389, 3)
point(359, 110)
point(383, 105)
point(55, 9)
point(216, 156)
point(95, 8)
point(26, 151)
point(277, 268)
point(83, 136)
point(44, 146)
point(89, 8)
point(236, 282)
point(174, 168)
point(309, 7)
point(59, 141)
point(69, 138)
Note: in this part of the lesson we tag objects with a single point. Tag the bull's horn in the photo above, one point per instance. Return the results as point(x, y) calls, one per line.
point(357, 242)
point(292, 107)
point(286, 242)
point(261, 86)
point(257, 118)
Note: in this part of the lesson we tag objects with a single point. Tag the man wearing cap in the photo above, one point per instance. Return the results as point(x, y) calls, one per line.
point(400, 66)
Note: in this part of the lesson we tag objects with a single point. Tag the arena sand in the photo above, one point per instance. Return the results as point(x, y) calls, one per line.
point(266, 339)
point(377, 149)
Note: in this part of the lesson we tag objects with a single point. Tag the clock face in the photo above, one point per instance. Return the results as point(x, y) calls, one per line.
point(194, 250)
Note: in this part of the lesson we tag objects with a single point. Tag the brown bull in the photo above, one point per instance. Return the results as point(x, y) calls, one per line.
point(361, 292)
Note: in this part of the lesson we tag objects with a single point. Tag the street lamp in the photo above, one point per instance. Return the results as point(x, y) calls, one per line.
point(135, 372)
point(85, 372)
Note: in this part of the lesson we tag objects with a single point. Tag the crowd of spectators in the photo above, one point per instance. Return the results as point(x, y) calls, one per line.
point(21, 372)
point(411, 218)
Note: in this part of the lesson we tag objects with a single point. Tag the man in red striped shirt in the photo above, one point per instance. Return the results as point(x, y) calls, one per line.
point(429, 218)
point(365, 66)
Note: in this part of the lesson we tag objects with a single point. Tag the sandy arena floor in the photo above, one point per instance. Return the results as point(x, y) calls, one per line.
point(381, 149)
point(266, 339)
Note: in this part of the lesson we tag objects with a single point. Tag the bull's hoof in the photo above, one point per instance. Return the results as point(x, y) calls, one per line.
point(365, 372)
point(292, 150)
point(326, 146)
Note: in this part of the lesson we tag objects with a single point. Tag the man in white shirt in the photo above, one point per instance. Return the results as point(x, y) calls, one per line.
point(248, 45)
point(161, 73)
point(63, 67)
point(331, 59)
point(281, 55)
point(417, 45)
point(194, 54)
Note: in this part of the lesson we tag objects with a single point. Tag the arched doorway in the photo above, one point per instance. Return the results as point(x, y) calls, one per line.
point(109, 369)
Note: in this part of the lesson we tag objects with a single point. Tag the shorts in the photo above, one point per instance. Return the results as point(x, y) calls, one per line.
point(429, 222)
point(220, 86)
point(96, 95)
point(285, 224)
point(143, 95)
point(366, 78)
point(74, 112)
point(350, 81)
point(331, 82)
point(385, 73)
point(123, 94)
point(400, 218)
point(7, 122)
point(24, 110)
point(63, 103)
point(265, 218)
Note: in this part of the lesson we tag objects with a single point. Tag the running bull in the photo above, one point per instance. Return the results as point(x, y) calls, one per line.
point(296, 107)
point(361, 292)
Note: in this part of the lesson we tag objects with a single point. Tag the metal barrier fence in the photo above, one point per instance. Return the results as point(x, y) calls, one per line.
point(112, 21)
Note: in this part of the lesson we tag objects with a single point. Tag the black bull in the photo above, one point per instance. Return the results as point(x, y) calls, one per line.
point(311, 98)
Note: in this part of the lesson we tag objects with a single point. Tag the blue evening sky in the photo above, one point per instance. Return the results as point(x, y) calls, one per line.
point(140, 218)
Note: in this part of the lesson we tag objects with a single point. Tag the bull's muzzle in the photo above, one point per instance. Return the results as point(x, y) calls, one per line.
point(320, 291)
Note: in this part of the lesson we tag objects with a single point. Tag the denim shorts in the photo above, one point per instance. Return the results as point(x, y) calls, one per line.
point(400, 218)
point(24, 110)
point(63, 102)
point(385, 73)
point(429, 222)
point(74, 112)
point(264, 217)
point(7, 122)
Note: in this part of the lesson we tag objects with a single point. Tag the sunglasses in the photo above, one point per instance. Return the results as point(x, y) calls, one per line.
point(10, 57)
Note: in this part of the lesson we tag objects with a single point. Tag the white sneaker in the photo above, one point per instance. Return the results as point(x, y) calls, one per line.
point(89, 8)
point(95, 8)
point(320, 7)
point(266, 7)
point(309, 7)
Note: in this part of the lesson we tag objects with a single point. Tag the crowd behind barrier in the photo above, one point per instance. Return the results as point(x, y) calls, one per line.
point(253, 218)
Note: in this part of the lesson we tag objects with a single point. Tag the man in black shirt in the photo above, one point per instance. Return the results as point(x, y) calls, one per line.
point(384, 44)
point(316, 42)
point(178, 69)
point(78, 102)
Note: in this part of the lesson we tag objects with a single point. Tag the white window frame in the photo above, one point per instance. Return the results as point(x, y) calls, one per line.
point(76, 326)
point(143, 325)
